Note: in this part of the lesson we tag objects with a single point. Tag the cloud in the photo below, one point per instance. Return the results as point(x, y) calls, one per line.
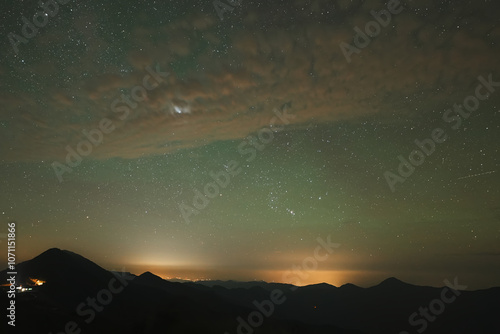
point(231, 79)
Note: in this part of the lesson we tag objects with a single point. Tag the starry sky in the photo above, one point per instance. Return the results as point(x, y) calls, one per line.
point(320, 170)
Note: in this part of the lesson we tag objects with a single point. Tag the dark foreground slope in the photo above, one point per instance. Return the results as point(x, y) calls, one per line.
point(390, 307)
point(80, 295)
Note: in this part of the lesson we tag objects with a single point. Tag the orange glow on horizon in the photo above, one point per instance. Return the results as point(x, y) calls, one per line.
point(332, 277)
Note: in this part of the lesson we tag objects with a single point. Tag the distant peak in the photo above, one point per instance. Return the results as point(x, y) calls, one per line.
point(321, 285)
point(149, 274)
point(56, 252)
point(50, 253)
point(392, 281)
point(349, 286)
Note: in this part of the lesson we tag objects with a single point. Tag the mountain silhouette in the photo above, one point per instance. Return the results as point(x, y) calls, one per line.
point(392, 282)
point(149, 304)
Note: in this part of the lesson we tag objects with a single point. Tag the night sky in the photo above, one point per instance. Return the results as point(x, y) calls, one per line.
point(327, 167)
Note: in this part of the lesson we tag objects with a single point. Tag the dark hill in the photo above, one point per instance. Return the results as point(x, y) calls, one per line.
point(75, 289)
point(150, 304)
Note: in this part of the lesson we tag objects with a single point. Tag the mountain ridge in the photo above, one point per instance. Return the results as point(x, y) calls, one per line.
point(150, 304)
